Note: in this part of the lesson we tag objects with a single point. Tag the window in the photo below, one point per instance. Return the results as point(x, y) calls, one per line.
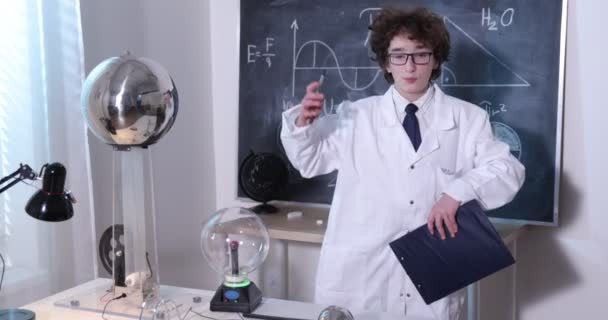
point(41, 71)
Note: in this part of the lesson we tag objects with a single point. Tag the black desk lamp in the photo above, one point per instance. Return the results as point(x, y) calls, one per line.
point(51, 203)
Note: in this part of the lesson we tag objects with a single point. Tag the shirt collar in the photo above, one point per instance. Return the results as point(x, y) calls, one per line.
point(441, 119)
point(422, 102)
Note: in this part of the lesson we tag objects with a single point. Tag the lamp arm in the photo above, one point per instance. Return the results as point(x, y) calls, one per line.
point(24, 172)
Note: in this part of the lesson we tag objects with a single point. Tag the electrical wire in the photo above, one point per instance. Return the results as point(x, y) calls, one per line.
point(124, 295)
point(31, 184)
point(155, 309)
point(207, 317)
point(149, 266)
point(176, 308)
point(2, 277)
point(189, 309)
point(107, 293)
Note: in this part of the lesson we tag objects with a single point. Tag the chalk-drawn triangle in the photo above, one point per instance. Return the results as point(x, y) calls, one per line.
point(478, 67)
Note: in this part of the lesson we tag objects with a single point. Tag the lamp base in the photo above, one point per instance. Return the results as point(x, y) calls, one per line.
point(242, 300)
point(17, 314)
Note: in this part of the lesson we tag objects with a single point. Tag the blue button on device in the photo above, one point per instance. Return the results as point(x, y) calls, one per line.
point(231, 295)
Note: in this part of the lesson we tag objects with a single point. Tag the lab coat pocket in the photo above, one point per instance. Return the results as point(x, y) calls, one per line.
point(446, 162)
point(444, 166)
point(443, 177)
point(343, 270)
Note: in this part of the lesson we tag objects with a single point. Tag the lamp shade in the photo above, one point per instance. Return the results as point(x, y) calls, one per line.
point(51, 203)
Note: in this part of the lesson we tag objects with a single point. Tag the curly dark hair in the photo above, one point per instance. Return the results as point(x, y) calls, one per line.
point(420, 24)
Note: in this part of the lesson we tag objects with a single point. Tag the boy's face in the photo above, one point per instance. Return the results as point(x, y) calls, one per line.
point(411, 79)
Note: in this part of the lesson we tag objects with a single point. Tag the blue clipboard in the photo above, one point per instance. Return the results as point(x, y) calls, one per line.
point(440, 267)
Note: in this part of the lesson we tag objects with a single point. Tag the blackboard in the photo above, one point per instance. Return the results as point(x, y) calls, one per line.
point(507, 57)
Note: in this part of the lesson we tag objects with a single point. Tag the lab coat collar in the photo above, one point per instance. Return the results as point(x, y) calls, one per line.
point(441, 113)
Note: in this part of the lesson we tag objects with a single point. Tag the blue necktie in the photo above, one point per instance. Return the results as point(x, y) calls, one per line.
point(411, 125)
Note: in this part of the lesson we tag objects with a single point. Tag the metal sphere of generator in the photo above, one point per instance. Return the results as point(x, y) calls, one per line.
point(129, 101)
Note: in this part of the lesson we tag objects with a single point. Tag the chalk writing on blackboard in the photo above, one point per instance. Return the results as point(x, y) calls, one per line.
point(449, 78)
point(507, 135)
point(253, 54)
point(506, 19)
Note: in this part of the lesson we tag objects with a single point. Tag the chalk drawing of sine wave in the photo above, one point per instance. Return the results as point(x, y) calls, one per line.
point(353, 77)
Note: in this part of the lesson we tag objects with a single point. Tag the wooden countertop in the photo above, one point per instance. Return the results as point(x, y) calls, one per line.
point(306, 229)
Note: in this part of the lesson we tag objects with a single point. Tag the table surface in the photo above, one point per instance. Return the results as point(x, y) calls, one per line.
point(47, 308)
point(306, 229)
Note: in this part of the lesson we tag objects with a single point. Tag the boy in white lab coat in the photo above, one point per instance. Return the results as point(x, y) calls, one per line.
point(406, 158)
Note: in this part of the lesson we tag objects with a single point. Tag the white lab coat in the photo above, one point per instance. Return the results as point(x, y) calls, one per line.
point(385, 188)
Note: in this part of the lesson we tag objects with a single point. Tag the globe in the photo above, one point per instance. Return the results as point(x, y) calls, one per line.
point(262, 177)
point(234, 241)
point(129, 101)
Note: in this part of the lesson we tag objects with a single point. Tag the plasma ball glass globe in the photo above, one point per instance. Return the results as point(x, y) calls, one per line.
point(235, 241)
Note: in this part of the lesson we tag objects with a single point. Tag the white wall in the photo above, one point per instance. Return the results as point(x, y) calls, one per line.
point(176, 34)
point(225, 27)
point(562, 272)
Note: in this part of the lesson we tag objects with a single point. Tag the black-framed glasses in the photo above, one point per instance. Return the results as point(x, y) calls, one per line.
point(419, 58)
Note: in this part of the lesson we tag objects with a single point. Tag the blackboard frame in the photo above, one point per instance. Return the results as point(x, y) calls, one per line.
point(554, 221)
